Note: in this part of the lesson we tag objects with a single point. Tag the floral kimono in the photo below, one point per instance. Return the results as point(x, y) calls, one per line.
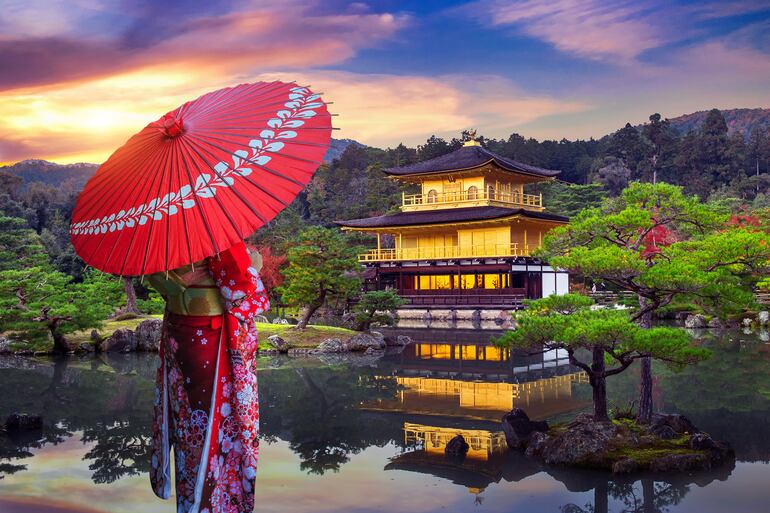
point(206, 404)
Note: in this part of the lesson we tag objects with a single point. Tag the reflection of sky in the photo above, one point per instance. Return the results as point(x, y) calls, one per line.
point(58, 480)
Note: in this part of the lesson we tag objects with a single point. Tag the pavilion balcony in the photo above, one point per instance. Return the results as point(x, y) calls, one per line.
point(447, 252)
point(471, 197)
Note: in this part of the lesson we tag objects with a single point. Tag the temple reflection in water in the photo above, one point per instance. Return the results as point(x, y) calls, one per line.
point(455, 382)
point(465, 376)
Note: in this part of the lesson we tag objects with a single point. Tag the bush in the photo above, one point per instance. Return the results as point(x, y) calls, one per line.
point(377, 307)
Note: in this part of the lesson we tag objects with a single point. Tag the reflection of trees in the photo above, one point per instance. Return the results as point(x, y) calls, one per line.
point(317, 411)
point(111, 409)
point(644, 496)
point(728, 395)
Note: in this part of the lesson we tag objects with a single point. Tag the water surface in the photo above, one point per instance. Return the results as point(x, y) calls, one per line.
point(365, 435)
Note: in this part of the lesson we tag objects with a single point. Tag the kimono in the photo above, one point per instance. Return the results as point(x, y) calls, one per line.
point(206, 405)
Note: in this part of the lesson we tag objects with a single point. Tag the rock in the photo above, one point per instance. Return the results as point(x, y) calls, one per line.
point(95, 337)
point(678, 423)
point(663, 431)
point(280, 344)
point(747, 322)
point(86, 348)
point(537, 441)
point(518, 428)
point(457, 447)
point(398, 341)
point(582, 442)
point(716, 323)
point(695, 321)
point(363, 341)
point(18, 422)
point(625, 466)
point(763, 318)
point(680, 463)
point(5, 346)
point(147, 335)
point(122, 341)
point(332, 345)
point(701, 441)
point(280, 320)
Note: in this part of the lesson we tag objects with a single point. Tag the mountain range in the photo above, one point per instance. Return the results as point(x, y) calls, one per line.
point(738, 120)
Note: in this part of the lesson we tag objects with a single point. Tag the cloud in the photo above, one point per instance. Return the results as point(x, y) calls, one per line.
point(256, 35)
point(618, 31)
point(87, 121)
point(383, 110)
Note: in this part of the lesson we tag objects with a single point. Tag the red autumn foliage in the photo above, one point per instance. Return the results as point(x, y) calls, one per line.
point(272, 264)
point(744, 219)
point(660, 236)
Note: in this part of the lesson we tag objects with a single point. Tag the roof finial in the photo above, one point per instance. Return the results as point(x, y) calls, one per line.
point(469, 138)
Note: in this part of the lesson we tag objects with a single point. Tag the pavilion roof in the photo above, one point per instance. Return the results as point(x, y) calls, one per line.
point(468, 157)
point(448, 215)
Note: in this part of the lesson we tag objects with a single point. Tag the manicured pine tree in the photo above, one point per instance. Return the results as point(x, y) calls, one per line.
point(609, 338)
point(322, 267)
point(36, 300)
point(663, 246)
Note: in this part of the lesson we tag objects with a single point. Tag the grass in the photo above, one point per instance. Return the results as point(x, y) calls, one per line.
point(307, 338)
point(107, 329)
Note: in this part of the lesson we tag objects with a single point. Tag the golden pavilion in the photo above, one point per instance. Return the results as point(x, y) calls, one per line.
point(466, 239)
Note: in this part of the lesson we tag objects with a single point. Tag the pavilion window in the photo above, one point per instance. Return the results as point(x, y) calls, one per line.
point(432, 196)
point(473, 192)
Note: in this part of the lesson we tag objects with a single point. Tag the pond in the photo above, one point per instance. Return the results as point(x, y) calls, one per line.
point(363, 435)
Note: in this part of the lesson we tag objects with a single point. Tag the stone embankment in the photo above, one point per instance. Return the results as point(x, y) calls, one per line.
point(365, 342)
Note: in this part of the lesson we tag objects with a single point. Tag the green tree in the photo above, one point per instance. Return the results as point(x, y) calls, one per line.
point(377, 307)
point(569, 199)
point(39, 301)
point(612, 340)
point(321, 267)
point(661, 245)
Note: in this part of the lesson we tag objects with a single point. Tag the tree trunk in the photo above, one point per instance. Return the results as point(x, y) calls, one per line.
point(128, 286)
point(60, 344)
point(309, 311)
point(601, 498)
point(599, 386)
point(644, 414)
point(648, 496)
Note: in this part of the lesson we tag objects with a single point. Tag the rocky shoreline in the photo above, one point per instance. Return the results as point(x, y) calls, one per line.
point(145, 338)
point(670, 443)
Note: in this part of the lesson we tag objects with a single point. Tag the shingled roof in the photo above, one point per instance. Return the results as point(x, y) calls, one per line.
point(465, 158)
point(448, 215)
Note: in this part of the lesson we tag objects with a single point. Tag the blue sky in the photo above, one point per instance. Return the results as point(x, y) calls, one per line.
point(397, 71)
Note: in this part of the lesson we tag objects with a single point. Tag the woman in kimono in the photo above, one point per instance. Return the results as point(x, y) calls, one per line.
point(206, 404)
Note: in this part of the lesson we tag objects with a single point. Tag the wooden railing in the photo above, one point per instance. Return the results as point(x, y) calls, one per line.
point(444, 252)
point(473, 196)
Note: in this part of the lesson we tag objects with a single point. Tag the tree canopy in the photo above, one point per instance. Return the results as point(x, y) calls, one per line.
point(610, 339)
point(322, 267)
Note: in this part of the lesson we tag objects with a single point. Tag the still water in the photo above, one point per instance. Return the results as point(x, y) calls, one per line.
point(365, 435)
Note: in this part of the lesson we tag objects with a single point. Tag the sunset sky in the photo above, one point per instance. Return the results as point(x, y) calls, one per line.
point(78, 77)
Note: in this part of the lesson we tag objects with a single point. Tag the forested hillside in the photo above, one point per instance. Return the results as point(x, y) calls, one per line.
point(708, 160)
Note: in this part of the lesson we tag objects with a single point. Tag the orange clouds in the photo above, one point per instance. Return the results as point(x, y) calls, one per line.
point(87, 121)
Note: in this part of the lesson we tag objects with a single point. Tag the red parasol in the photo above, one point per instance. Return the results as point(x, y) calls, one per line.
point(201, 178)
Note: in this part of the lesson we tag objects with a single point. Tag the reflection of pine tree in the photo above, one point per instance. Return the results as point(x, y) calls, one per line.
point(120, 449)
point(656, 497)
point(319, 415)
point(112, 410)
point(644, 496)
